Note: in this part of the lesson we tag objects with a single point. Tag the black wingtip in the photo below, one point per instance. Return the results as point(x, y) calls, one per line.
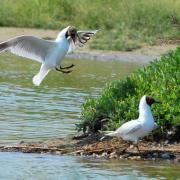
point(3, 46)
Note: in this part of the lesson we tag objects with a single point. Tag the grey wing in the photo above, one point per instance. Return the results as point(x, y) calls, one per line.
point(129, 127)
point(28, 46)
point(84, 36)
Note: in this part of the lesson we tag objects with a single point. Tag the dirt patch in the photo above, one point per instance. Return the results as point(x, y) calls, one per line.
point(91, 146)
point(141, 55)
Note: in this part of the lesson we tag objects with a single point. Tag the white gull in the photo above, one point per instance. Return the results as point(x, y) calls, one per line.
point(135, 129)
point(49, 53)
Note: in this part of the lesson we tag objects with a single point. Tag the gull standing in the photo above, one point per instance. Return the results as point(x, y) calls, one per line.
point(49, 53)
point(135, 129)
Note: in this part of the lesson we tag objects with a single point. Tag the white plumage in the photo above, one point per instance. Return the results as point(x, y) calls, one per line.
point(49, 53)
point(135, 129)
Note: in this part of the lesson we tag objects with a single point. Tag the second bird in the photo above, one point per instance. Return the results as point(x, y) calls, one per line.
point(135, 129)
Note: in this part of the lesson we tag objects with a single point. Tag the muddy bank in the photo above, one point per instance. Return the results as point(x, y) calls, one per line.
point(91, 146)
point(141, 55)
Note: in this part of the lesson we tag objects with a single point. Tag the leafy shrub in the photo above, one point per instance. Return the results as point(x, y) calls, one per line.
point(119, 100)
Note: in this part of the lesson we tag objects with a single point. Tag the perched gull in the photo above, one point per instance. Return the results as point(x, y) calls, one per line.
point(49, 53)
point(135, 129)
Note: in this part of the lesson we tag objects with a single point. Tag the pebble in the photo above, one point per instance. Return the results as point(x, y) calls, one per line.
point(131, 146)
point(155, 155)
point(134, 157)
point(21, 142)
point(149, 156)
point(113, 155)
point(177, 159)
point(104, 154)
point(58, 153)
point(166, 156)
point(94, 155)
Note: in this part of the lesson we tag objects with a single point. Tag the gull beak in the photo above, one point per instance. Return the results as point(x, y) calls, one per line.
point(157, 101)
point(74, 39)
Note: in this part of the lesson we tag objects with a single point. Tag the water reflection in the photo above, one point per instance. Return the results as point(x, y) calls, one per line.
point(35, 166)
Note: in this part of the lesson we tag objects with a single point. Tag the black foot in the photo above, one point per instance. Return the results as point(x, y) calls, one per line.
point(63, 71)
point(67, 67)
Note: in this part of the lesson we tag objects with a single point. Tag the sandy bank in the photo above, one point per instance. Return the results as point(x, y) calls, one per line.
point(144, 54)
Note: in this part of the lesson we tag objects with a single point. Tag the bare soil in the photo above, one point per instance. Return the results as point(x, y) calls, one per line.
point(141, 55)
point(91, 146)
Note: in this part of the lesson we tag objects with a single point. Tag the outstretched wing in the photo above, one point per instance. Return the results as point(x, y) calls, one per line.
point(129, 127)
point(84, 36)
point(28, 46)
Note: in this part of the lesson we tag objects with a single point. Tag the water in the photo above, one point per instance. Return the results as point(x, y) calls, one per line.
point(47, 167)
point(50, 111)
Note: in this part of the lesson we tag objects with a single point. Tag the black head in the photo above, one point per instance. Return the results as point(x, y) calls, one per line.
point(150, 100)
point(72, 32)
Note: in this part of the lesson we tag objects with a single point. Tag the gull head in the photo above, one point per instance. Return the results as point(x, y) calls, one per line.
point(147, 101)
point(71, 33)
point(150, 100)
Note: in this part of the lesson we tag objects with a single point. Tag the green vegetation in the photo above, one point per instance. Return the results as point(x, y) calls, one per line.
point(125, 24)
point(119, 100)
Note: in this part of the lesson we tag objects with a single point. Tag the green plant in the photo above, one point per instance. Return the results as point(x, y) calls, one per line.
point(125, 24)
point(119, 100)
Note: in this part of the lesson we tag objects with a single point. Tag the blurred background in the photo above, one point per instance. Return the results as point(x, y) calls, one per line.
point(128, 24)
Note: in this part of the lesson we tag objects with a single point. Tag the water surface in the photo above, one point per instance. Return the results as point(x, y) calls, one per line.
point(46, 167)
point(50, 111)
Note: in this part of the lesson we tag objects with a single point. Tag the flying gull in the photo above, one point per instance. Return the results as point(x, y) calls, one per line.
point(49, 53)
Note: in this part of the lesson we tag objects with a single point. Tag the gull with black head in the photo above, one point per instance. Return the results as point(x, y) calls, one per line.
point(135, 129)
point(49, 53)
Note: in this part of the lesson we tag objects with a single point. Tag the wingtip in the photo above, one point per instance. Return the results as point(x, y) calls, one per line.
point(3, 46)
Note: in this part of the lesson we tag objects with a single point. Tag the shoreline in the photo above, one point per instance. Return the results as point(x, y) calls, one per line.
point(90, 146)
point(143, 55)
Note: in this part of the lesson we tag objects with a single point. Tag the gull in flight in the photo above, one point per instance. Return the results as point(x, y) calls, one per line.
point(135, 129)
point(49, 53)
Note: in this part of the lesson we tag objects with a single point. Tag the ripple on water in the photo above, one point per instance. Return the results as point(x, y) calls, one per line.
point(51, 110)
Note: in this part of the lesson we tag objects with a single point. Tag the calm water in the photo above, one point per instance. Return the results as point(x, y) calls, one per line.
point(51, 110)
point(47, 167)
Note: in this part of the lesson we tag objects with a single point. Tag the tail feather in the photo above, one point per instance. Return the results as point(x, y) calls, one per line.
point(38, 78)
point(109, 133)
point(3, 46)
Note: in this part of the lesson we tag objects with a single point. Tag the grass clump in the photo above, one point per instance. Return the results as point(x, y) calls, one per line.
point(125, 24)
point(119, 100)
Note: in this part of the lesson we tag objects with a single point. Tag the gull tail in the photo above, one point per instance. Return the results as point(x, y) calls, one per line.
point(108, 133)
point(37, 79)
point(3, 46)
